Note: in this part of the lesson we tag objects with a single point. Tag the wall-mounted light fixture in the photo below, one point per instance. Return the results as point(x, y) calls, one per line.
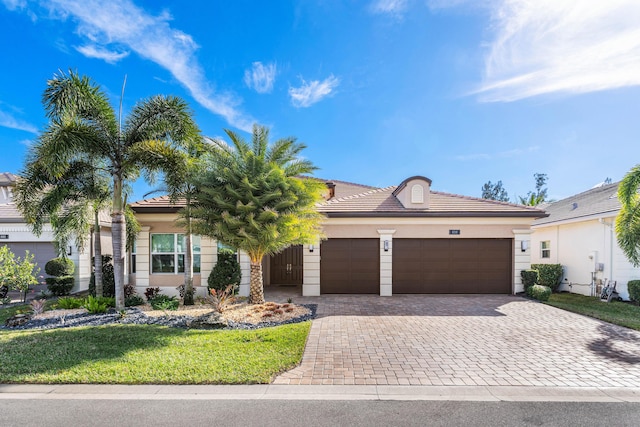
point(386, 246)
point(70, 250)
point(311, 248)
point(524, 245)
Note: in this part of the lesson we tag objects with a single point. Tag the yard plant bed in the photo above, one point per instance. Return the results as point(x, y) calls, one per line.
point(149, 354)
point(616, 312)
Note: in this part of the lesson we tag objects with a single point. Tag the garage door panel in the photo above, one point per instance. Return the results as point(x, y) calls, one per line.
point(350, 266)
point(452, 265)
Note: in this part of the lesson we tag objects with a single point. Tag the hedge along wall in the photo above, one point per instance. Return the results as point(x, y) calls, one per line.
point(549, 274)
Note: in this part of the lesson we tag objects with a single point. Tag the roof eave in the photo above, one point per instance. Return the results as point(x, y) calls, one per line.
point(437, 214)
point(156, 209)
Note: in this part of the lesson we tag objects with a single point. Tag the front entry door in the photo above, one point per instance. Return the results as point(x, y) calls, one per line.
point(286, 267)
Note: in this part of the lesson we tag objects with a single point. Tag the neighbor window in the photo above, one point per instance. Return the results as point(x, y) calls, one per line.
point(167, 253)
point(545, 249)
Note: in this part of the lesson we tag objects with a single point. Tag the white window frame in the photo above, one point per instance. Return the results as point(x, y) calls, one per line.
point(545, 249)
point(175, 254)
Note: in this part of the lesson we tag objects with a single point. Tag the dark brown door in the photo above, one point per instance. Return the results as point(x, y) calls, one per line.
point(452, 266)
point(286, 267)
point(350, 266)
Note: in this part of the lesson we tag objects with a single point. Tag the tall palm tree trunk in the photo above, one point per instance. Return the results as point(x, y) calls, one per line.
point(256, 294)
point(97, 255)
point(118, 230)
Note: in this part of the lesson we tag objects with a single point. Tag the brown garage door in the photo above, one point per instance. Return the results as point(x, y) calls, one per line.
point(452, 266)
point(42, 252)
point(350, 266)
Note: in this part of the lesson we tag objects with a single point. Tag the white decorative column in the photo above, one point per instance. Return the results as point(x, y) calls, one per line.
point(245, 270)
point(521, 258)
point(143, 266)
point(311, 269)
point(208, 258)
point(386, 262)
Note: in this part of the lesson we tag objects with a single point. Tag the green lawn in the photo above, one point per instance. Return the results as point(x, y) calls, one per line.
point(147, 354)
point(618, 313)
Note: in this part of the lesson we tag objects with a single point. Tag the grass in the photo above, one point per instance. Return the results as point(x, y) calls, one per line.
point(616, 312)
point(148, 354)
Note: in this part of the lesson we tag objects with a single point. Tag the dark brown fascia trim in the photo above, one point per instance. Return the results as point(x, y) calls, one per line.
point(12, 220)
point(156, 209)
point(436, 214)
point(404, 183)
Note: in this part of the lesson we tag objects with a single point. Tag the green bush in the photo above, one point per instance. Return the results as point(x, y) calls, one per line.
point(633, 286)
point(60, 267)
point(539, 292)
point(70, 303)
point(96, 305)
point(133, 300)
point(164, 302)
point(529, 278)
point(226, 272)
point(60, 286)
point(108, 278)
point(151, 293)
point(549, 274)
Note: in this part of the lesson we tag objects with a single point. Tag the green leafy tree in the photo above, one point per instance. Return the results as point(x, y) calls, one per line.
point(226, 271)
point(17, 272)
point(82, 122)
point(534, 198)
point(71, 202)
point(253, 198)
point(495, 191)
point(628, 220)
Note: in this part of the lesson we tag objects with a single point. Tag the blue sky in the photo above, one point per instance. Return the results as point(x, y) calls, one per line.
point(460, 91)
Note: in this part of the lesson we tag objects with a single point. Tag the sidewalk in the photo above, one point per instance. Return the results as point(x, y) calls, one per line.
point(318, 392)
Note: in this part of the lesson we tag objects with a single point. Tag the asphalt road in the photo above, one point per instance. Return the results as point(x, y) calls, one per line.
point(283, 413)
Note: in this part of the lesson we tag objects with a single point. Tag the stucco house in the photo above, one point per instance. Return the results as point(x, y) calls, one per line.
point(579, 233)
point(16, 234)
point(399, 239)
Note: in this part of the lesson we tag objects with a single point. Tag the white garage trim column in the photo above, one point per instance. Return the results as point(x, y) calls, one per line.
point(311, 269)
point(386, 262)
point(245, 271)
point(208, 258)
point(143, 266)
point(521, 258)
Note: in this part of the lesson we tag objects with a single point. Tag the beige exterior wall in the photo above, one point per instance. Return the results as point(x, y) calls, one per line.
point(580, 246)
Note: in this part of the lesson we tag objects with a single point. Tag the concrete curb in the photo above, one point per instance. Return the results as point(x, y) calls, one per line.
point(318, 392)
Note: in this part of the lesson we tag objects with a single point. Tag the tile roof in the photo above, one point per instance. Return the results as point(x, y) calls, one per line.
point(7, 179)
point(363, 200)
point(599, 200)
point(381, 202)
point(9, 213)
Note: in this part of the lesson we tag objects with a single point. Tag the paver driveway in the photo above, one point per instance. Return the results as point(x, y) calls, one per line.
point(461, 340)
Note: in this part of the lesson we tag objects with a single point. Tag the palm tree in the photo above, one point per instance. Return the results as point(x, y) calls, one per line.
point(628, 220)
point(253, 198)
point(83, 121)
point(71, 202)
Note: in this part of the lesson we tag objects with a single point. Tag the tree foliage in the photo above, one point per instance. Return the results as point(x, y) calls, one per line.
point(534, 198)
point(495, 191)
point(17, 272)
point(253, 198)
point(628, 220)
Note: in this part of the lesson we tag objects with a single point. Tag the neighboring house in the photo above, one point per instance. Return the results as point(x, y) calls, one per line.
point(16, 234)
point(404, 239)
point(579, 233)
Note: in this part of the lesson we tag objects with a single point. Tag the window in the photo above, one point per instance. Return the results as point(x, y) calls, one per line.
point(545, 249)
point(167, 253)
point(132, 264)
point(417, 194)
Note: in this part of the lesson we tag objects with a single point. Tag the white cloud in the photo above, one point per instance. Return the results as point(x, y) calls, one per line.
point(9, 121)
point(391, 7)
point(261, 77)
point(561, 46)
point(313, 91)
point(128, 27)
point(15, 4)
point(93, 51)
point(516, 152)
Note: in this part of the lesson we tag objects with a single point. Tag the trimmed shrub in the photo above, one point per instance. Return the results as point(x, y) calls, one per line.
point(549, 274)
point(58, 267)
point(529, 278)
point(164, 302)
point(539, 292)
point(633, 286)
point(226, 272)
point(108, 278)
point(60, 286)
point(133, 300)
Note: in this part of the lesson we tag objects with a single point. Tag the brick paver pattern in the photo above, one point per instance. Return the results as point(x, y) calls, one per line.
point(460, 340)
